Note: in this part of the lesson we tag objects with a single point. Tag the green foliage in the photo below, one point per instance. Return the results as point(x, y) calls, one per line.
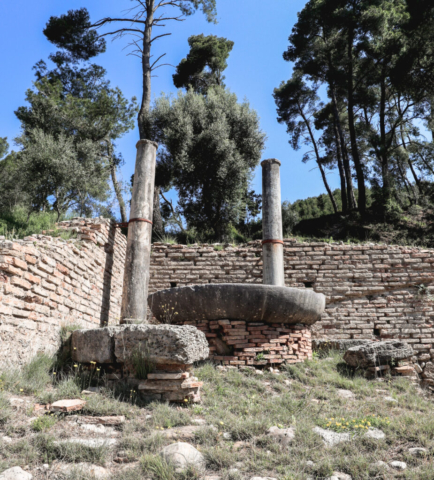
point(32, 378)
point(211, 145)
point(16, 223)
point(141, 361)
point(4, 147)
point(204, 64)
point(5, 406)
point(73, 34)
point(43, 423)
point(371, 127)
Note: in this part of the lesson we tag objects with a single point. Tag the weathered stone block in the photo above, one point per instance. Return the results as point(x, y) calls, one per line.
point(378, 353)
point(94, 345)
point(252, 303)
point(164, 344)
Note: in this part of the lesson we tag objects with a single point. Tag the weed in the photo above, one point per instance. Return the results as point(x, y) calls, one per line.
point(31, 379)
point(141, 360)
point(44, 423)
point(5, 409)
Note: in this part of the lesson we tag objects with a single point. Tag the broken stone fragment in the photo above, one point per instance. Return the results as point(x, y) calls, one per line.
point(377, 353)
point(67, 405)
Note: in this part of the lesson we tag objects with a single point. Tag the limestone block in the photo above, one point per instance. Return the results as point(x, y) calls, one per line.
point(163, 344)
point(94, 345)
point(252, 303)
point(378, 353)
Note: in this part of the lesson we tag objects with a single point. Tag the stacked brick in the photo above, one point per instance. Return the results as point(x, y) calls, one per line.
point(47, 283)
point(238, 343)
point(373, 291)
point(176, 384)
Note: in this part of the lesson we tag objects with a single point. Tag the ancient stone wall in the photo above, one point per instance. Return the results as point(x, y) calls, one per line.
point(373, 291)
point(48, 283)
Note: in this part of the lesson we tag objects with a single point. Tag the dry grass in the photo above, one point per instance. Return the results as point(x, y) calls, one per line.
point(238, 408)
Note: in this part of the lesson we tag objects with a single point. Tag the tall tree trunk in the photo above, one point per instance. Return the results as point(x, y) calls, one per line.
point(410, 163)
point(318, 159)
point(341, 170)
point(157, 220)
point(118, 192)
point(343, 147)
point(143, 117)
point(354, 149)
point(116, 185)
point(383, 151)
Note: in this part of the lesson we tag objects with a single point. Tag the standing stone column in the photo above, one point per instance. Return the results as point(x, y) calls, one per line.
point(137, 258)
point(272, 243)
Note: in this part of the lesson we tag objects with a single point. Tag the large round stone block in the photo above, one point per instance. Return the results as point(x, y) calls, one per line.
point(252, 303)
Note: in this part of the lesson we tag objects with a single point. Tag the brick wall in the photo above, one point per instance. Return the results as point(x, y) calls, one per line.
point(372, 290)
point(47, 283)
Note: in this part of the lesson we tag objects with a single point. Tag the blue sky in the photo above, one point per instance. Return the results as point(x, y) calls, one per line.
point(259, 29)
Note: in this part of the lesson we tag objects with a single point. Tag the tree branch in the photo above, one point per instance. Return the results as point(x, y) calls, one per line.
point(106, 20)
point(159, 58)
point(160, 36)
point(122, 30)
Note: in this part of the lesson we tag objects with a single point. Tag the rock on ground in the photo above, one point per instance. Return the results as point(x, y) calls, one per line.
point(89, 442)
point(181, 455)
point(418, 451)
point(390, 400)
point(375, 433)
point(347, 394)
point(284, 436)
point(263, 478)
point(67, 405)
point(398, 465)
point(377, 353)
point(332, 438)
point(339, 476)
point(91, 471)
point(15, 473)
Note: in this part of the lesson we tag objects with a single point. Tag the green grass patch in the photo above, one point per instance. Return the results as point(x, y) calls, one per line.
point(43, 423)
